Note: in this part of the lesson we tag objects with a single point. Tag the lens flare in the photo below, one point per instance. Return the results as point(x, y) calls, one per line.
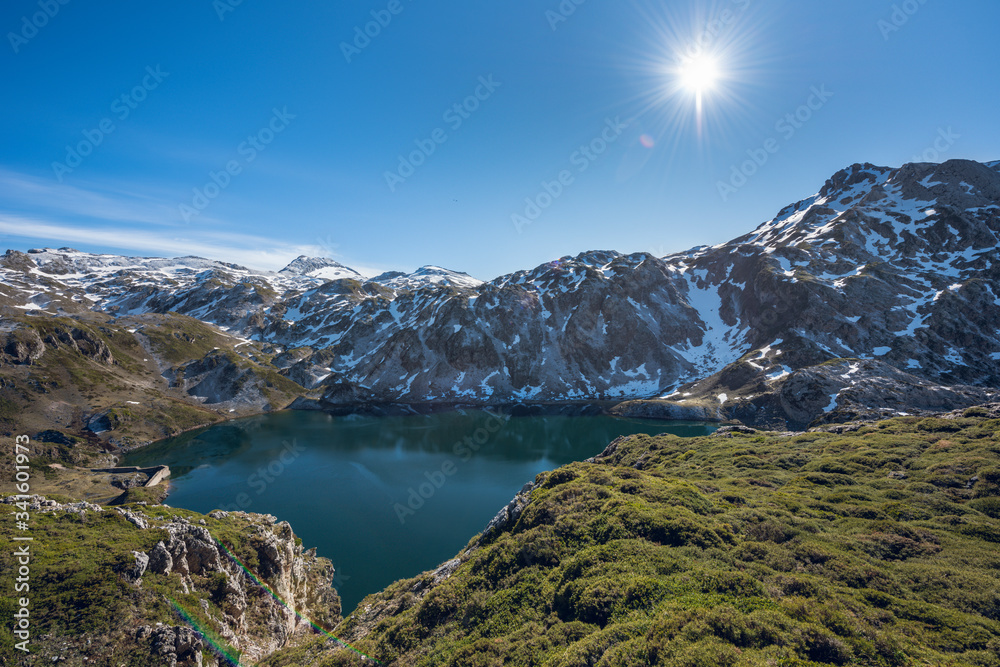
point(221, 651)
point(217, 647)
point(695, 74)
point(284, 604)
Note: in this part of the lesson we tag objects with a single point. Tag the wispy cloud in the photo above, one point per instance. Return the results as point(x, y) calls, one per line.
point(109, 203)
point(250, 251)
point(123, 217)
point(132, 218)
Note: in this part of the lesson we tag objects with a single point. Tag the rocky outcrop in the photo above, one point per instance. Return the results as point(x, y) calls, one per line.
point(82, 341)
point(20, 347)
point(251, 620)
point(222, 379)
point(24, 345)
point(509, 514)
point(177, 646)
point(832, 392)
point(847, 390)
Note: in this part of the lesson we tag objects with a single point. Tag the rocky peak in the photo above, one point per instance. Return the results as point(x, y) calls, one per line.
point(19, 261)
point(319, 267)
point(427, 275)
point(863, 174)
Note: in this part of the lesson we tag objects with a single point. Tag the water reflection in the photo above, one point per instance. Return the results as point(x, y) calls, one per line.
point(383, 497)
point(525, 439)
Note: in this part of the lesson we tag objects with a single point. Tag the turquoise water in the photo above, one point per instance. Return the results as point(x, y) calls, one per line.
point(384, 498)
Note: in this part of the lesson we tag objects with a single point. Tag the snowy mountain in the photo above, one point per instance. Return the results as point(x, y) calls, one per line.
point(893, 271)
point(320, 267)
point(433, 275)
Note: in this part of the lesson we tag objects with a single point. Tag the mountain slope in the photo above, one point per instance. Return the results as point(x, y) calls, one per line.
point(895, 268)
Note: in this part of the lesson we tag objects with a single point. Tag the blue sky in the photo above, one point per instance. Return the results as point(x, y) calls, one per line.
point(300, 120)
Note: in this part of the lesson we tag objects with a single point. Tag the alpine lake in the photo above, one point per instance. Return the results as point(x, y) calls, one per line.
point(384, 498)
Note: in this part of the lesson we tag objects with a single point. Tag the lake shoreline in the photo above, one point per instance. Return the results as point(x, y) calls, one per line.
point(429, 481)
point(581, 408)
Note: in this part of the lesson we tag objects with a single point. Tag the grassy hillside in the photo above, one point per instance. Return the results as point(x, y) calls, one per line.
point(877, 546)
point(89, 385)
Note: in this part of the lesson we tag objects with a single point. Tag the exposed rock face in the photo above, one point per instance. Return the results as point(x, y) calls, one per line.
point(82, 341)
point(253, 623)
point(21, 346)
point(133, 575)
point(846, 390)
point(509, 514)
point(179, 646)
point(219, 379)
point(895, 266)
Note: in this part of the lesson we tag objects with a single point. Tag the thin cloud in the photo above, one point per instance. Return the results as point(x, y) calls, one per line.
point(125, 218)
point(250, 251)
point(99, 203)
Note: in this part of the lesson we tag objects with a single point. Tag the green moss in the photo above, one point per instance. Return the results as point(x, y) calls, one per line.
point(78, 592)
point(153, 495)
point(74, 590)
point(180, 338)
point(8, 409)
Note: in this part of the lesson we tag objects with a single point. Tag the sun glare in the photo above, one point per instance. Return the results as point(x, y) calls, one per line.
point(699, 74)
point(697, 68)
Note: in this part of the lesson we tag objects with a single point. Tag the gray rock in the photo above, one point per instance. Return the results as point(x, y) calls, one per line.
point(133, 574)
point(180, 646)
point(160, 560)
point(510, 513)
point(894, 266)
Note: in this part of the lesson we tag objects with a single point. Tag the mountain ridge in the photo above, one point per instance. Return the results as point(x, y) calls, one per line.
point(894, 265)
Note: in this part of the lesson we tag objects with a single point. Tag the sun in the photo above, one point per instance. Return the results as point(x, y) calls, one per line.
point(699, 74)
